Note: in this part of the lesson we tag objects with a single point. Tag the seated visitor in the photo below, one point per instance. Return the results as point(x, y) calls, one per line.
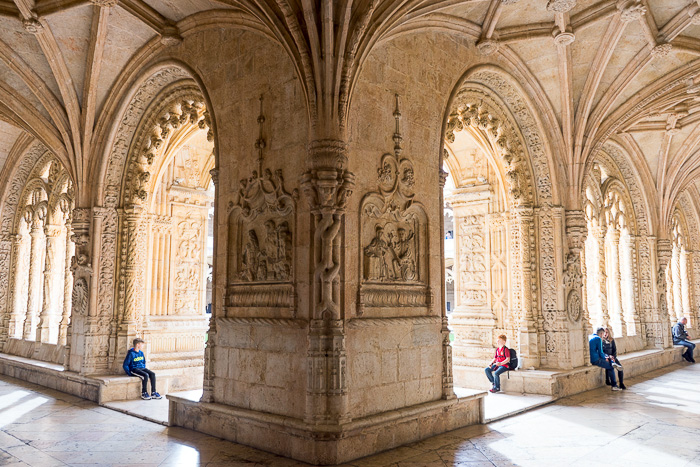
point(598, 357)
point(135, 365)
point(499, 364)
point(680, 337)
point(610, 349)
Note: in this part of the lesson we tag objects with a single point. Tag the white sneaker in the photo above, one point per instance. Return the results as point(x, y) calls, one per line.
point(617, 366)
point(615, 388)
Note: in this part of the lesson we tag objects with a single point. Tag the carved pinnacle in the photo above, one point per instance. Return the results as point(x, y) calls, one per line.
point(260, 142)
point(397, 134)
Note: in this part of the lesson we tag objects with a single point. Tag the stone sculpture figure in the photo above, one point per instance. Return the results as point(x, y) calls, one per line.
point(251, 258)
point(391, 258)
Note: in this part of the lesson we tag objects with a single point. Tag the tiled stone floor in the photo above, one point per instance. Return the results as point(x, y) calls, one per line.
point(655, 423)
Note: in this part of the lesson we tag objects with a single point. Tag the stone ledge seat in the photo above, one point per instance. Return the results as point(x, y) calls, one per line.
point(97, 388)
point(562, 383)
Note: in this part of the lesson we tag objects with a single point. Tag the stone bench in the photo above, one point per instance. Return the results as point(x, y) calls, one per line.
point(562, 383)
point(97, 388)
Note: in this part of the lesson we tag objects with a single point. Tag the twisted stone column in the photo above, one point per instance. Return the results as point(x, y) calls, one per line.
point(327, 185)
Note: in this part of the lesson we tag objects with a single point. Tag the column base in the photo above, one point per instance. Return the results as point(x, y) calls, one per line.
point(327, 445)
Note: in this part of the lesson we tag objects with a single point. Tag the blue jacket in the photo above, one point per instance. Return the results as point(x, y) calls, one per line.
point(595, 343)
point(678, 332)
point(133, 361)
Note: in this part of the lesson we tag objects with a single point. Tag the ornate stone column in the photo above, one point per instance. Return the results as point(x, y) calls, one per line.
point(612, 260)
point(661, 317)
point(47, 329)
point(604, 318)
point(209, 349)
point(19, 298)
point(81, 267)
point(67, 286)
point(34, 291)
point(575, 280)
point(522, 278)
point(133, 262)
point(327, 185)
point(447, 373)
point(473, 319)
point(631, 310)
point(676, 281)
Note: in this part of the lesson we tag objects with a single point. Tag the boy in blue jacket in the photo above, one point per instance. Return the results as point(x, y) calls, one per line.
point(135, 365)
point(598, 358)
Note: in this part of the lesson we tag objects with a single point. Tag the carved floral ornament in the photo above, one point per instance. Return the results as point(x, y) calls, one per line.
point(188, 109)
point(504, 141)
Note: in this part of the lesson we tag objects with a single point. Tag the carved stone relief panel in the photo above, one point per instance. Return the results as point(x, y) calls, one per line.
point(393, 241)
point(189, 264)
point(261, 233)
point(472, 262)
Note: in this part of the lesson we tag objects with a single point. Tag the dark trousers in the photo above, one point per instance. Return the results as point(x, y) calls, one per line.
point(688, 354)
point(495, 375)
point(620, 374)
point(145, 374)
point(609, 370)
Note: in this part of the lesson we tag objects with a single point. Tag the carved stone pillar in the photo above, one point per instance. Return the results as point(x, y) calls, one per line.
point(575, 281)
point(19, 297)
point(661, 319)
point(209, 349)
point(133, 261)
point(81, 267)
point(685, 310)
point(677, 310)
point(327, 185)
point(36, 266)
point(612, 260)
point(447, 373)
point(47, 329)
point(602, 318)
point(523, 275)
point(473, 319)
point(630, 308)
point(67, 286)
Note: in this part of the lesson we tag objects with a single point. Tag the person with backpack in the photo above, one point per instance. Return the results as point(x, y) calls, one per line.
point(500, 364)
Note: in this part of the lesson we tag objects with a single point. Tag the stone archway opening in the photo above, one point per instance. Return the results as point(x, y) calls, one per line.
point(477, 251)
point(180, 254)
point(166, 238)
point(42, 253)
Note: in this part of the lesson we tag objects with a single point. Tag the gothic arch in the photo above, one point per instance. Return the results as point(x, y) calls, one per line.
point(10, 203)
point(487, 101)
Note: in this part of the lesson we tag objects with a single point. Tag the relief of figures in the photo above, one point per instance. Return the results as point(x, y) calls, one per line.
point(390, 255)
point(271, 259)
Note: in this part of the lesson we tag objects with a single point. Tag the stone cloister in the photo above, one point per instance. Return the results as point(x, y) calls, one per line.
point(287, 166)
